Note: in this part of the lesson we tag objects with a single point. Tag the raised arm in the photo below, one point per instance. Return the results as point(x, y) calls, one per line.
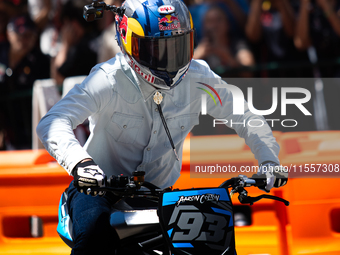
point(253, 26)
point(287, 16)
point(331, 14)
point(302, 38)
point(253, 128)
point(239, 14)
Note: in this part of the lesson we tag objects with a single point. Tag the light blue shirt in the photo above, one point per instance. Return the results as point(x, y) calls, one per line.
point(127, 133)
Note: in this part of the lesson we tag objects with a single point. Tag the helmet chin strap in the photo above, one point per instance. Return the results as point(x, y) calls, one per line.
point(158, 79)
point(167, 77)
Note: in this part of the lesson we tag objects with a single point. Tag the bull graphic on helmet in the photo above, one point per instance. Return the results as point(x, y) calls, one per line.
point(123, 27)
point(169, 22)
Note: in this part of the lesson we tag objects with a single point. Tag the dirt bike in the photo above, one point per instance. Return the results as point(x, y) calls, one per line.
point(149, 220)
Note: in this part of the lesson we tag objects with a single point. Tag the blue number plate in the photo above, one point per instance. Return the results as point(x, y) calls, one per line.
point(198, 221)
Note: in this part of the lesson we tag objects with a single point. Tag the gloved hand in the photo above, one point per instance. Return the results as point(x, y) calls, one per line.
point(275, 175)
point(88, 174)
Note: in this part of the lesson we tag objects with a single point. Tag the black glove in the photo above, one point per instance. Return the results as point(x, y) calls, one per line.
point(276, 175)
point(88, 174)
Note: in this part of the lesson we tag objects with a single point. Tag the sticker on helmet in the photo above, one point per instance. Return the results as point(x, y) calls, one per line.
point(148, 77)
point(168, 22)
point(123, 26)
point(166, 9)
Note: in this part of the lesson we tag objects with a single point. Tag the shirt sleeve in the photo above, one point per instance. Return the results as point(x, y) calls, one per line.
point(55, 129)
point(253, 128)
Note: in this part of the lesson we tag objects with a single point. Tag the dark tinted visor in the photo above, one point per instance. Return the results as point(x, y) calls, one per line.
point(163, 54)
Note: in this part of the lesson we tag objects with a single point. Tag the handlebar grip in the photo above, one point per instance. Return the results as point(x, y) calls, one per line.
point(260, 180)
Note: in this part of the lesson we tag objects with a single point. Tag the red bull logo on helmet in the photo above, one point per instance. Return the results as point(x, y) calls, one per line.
point(168, 22)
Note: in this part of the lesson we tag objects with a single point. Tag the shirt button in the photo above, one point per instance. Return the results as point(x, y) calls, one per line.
point(182, 127)
point(148, 149)
point(156, 110)
point(140, 166)
point(125, 126)
point(155, 132)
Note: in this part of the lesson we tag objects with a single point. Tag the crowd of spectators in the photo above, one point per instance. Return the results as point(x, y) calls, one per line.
point(256, 33)
point(238, 38)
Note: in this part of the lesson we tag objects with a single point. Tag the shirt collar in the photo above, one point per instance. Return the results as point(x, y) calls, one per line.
point(148, 90)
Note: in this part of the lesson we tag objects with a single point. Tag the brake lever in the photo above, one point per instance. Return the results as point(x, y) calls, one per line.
point(119, 191)
point(251, 200)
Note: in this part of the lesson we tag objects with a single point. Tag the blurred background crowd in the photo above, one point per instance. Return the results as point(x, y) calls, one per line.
point(42, 39)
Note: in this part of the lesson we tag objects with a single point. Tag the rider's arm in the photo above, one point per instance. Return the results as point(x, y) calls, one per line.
point(259, 139)
point(55, 129)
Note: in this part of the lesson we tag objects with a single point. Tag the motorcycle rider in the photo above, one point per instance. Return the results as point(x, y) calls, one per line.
point(141, 105)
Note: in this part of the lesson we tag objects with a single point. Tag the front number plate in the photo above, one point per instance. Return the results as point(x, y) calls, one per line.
point(198, 221)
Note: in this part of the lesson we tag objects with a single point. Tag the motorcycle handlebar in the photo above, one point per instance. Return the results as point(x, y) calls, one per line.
point(127, 185)
point(124, 186)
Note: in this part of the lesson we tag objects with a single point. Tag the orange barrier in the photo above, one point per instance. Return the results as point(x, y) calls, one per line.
point(24, 158)
point(314, 215)
point(315, 201)
point(311, 154)
point(310, 225)
point(31, 183)
point(224, 150)
point(297, 142)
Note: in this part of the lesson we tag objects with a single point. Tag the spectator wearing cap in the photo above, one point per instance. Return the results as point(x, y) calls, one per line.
point(21, 63)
